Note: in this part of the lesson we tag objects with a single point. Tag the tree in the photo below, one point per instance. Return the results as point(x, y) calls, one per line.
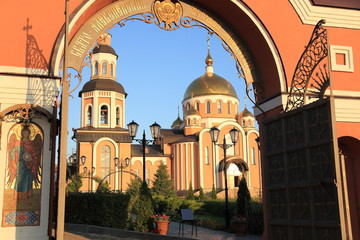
point(163, 184)
point(75, 183)
point(191, 195)
point(164, 195)
point(243, 197)
point(144, 209)
point(201, 194)
point(213, 192)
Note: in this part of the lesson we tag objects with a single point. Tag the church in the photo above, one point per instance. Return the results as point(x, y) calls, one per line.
point(107, 154)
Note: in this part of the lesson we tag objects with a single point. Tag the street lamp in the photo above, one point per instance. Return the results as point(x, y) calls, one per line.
point(234, 135)
point(155, 133)
point(121, 164)
point(88, 173)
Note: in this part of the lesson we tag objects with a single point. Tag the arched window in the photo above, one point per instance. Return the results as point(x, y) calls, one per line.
point(194, 121)
point(188, 121)
point(104, 68)
point(117, 116)
point(253, 157)
point(219, 106)
point(197, 105)
point(188, 106)
point(105, 156)
point(89, 114)
point(112, 69)
point(104, 114)
point(208, 110)
point(96, 68)
point(229, 107)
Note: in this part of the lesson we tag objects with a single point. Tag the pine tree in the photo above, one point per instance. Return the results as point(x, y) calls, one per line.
point(201, 194)
point(243, 197)
point(213, 192)
point(163, 184)
point(144, 209)
point(191, 195)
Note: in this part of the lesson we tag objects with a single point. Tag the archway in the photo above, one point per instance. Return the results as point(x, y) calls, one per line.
point(259, 63)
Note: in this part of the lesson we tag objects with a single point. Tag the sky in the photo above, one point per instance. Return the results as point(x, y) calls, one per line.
point(155, 68)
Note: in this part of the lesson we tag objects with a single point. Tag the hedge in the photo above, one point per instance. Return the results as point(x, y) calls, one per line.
point(107, 210)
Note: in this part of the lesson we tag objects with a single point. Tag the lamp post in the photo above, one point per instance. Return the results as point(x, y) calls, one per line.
point(121, 164)
point(88, 173)
point(234, 134)
point(155, 132)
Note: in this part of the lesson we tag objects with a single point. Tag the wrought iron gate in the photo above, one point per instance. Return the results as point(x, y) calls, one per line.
point(301, 195)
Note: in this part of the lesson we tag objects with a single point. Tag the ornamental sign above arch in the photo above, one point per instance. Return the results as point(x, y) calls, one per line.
point(166, 14)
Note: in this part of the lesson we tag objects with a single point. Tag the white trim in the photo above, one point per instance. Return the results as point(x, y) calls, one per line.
point(335, 17)
point(23, 70)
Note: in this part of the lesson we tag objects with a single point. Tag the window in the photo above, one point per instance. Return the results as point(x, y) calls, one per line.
point(105, 162)
point(104, 115)
point(96, 68)
point(188, 106)
point(188, 121)
point(208, 110)
point(197, 106)
point(194, 121)
point(147, 177)
point(104, 68)
point(219, 107)
point(253, 157)
point(117, 116)
point(137, 172)
point(112, 69)
point(229, 108)
point(89, 115)
point(207, 155)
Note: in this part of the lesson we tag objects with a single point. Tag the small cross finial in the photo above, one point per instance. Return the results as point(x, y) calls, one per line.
point(244, 101)
point(27, 27)
point(178, 111)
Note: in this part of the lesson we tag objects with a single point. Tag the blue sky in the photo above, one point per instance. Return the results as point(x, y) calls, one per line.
point(155, 67)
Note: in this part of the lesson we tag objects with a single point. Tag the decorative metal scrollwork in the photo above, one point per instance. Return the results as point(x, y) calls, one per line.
point(21, 115)
point(315, 52)
point(168, 15)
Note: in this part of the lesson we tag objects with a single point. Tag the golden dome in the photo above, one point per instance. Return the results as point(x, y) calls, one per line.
point(209, 84)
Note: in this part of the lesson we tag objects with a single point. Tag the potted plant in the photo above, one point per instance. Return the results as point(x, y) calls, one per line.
point(162, 223)
point(239, 222)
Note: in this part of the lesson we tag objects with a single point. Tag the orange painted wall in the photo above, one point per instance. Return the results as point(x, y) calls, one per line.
point(348, 129)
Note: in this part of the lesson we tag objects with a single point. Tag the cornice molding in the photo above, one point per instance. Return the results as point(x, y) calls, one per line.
point(335, 17)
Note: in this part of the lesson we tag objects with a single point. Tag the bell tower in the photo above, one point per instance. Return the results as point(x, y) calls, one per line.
point(103, 98)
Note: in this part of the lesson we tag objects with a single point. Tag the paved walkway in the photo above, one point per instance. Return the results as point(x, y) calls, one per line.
point(84, 232)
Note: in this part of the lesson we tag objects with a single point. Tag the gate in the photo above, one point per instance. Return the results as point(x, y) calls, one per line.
point(299, 174)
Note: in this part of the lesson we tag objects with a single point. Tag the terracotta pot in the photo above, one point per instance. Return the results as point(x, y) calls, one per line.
point(162, 226)
point(239, 228)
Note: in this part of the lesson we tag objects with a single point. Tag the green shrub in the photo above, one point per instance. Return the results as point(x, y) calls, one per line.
point(192, 204)
point(201, 194)
point(164, 204)
point(191, 195)
point(243, 197)
point(143, 209)
point(213, 192)
point(217, 207)
point(107, 210)
point(255, 217)
point(75, 183)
